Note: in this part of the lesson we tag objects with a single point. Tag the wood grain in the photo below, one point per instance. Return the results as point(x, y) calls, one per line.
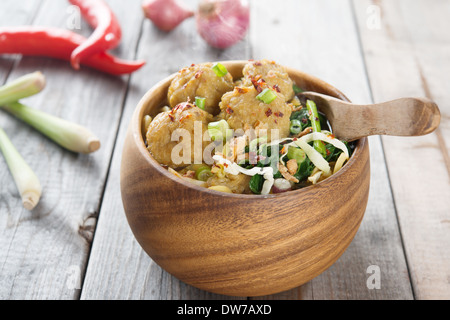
point(405, 57)
point(372, 245)
point(122, 270)
point(411, 116)
point(46, 249)
point(324, 42)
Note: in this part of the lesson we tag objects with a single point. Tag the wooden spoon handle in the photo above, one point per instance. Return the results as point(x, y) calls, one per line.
point(400, 117)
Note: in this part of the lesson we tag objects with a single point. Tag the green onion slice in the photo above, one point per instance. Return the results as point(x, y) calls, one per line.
point(296, 154)
point(218, 130)
point(266, 96)
point(203, 173)
point(200, 102)
point(219, 69)
point(295, 127)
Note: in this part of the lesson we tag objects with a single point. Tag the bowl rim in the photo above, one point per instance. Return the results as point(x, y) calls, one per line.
point(136, 127)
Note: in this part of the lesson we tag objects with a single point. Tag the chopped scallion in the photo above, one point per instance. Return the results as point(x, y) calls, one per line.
point(203, 173)
point(266, 96)
point(219, 69)
point(200, 102)
point(218, 130)
point(296, 154)
point(296, 126)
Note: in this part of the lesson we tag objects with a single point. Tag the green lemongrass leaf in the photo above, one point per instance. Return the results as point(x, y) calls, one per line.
point(22, 87)
point(26, 180)
point(67, 134)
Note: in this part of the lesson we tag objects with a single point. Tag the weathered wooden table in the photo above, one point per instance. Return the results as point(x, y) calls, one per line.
point(77, 244)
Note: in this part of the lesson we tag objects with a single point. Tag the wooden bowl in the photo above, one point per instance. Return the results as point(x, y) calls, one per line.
point(240, 245)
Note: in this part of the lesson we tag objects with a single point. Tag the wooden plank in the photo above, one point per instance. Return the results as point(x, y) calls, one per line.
point(45, 251)
point(320, 38)
point(118, 267)
point(407, 55)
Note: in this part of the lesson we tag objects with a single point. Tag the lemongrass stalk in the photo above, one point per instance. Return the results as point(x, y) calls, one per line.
point(26, 180)
point(22, 87)
point(67, 134)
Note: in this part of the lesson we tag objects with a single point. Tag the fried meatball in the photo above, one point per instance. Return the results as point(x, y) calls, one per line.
point(199, 80)
point(243, 110)
point(159, 135)
point(273, 74)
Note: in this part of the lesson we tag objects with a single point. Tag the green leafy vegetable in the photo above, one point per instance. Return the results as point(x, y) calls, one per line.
point(256, 183)
point(304, 170)
point(301, 116)
point(333, 153)
point(297, 89)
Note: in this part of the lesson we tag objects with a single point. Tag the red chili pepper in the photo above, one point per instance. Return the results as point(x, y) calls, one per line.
point(59, 43)
point(107, 33)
